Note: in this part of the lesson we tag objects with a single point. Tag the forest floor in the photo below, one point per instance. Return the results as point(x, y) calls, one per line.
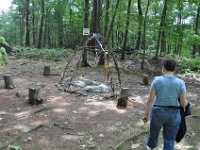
point(75, 121)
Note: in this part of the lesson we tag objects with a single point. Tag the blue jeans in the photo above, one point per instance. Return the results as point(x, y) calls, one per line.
point(169, 119)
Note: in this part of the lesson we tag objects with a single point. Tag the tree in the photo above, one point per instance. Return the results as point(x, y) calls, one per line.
point(161, 43)
point(39, 45)
point(112, 21)
point(106, 17)
point(86, 24)
point(33, 23)
point(144, 34)
point(196, 26)
point(140, 20)
point(27, 43)
point(126, 29)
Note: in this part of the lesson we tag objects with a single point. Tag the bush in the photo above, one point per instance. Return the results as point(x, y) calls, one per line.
point(190, 65)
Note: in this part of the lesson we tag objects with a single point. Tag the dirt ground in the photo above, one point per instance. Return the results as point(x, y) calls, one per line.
point(71, 121)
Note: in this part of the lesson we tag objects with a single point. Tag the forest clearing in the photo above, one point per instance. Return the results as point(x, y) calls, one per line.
point(76, 74)
point(74, 121)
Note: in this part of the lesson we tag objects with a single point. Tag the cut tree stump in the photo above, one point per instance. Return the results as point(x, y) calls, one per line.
point(122, 101)
point(34, 95)
point(47, 71)
point(9, 84)
point(145, 79)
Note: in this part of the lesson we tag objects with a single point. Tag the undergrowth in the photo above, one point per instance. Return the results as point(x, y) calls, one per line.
point(190, 65)
point(45, 54)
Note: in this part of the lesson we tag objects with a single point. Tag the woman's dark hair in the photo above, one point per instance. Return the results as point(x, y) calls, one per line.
point(169, 64)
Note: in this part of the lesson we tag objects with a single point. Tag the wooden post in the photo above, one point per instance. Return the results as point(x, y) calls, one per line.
point(46, 71)
point(8, 81)
point(145, 79)
point(34, 95)
point(122, 101)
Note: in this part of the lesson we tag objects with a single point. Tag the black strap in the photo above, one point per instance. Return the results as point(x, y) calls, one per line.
point(172, 107)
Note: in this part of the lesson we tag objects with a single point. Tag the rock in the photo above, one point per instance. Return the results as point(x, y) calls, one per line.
point(21, 94)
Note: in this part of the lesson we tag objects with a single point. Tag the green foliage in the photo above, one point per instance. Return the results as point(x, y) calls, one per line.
point(12, 147)
point(190, 64)
point(2, 40)
point(194, 39)
point(3, 55)
point(46, 54)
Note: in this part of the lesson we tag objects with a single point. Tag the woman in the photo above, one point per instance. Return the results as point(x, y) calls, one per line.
point(165, 113)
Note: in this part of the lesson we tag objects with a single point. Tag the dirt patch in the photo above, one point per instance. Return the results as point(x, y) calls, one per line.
point(71, 121)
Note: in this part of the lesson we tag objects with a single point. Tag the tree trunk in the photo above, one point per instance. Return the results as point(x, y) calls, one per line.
point(126, 30)
point(194, 50)
point(144, 35)
point(139, 37)
point(178, 45)
point(106, 17)
point(113, 20)
point(41, 25)
point(27, 43)
point(162, 33)
point(33, 24)
point(84, 61)
point(21, 24)
point(86, 14)
point(94, 17)
point(99, 13)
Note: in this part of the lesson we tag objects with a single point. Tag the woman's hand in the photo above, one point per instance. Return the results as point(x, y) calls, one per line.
point(145, 118)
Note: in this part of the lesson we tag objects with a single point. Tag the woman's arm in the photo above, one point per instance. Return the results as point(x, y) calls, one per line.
point(183, 100)
point(149, 103)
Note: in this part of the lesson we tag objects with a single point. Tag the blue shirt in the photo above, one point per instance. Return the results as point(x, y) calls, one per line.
point(168, 89)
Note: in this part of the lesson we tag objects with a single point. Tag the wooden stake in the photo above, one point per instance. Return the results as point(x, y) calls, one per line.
point(47, 71)
point(122, 101)
point(8, 81)
point(34, 95)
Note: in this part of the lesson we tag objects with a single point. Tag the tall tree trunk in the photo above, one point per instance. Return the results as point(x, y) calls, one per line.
point(86, 25)
point(144, 34)
point(94, 17)
point(33, 24)
point(126, 30)
point(41, 25)
point(99, 13)
point(139, 37)
point(106, 18)
point(195, 47)
point(178, 46)
point(162, 33)
point(27, 42)
point(45, 31)
point(21, 25)
point(86, 14)
point(113, 20)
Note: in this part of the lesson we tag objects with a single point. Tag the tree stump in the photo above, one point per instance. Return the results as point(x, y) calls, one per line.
point(9, 84)
point(145, 79)
point(122, 101)
point(34, 95)
point(47, 71)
